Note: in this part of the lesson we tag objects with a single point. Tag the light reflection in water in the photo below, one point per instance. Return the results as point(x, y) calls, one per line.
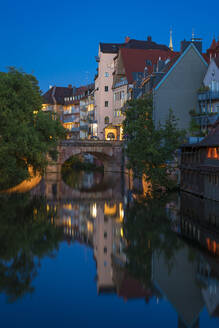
point(140, 251)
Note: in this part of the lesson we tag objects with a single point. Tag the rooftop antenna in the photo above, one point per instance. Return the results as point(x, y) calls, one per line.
point(193, 35)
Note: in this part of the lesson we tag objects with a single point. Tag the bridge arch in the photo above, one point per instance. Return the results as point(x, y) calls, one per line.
point(109, 153)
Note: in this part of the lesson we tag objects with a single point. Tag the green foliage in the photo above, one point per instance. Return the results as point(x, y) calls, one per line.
point(195, 129)
point(203, 88)
point(192, 112)
point(26, 236)
point(150, 151)
point(27, 134)
point(147, 230)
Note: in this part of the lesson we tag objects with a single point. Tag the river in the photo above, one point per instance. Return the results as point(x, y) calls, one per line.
point(83, 253)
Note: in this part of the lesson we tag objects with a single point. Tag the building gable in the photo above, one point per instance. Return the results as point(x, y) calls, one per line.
point(189, 49)
point(178, 88)
point(212, 73)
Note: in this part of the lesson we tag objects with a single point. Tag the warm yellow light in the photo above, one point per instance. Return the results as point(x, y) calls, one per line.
point(121, 233)
point(35, 112)
point(89, 227)
point(94, 210)
point(108, 210)
point(121, 212)
point(90, 107)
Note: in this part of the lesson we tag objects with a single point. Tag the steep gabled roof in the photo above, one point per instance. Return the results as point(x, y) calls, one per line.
point(216, 60)
point(178, 59)
point(213, 44)
point(59, 93)
point(135, 60)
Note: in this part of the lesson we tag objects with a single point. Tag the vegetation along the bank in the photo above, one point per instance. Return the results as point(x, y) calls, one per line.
point(27, 134)
point(151, 151)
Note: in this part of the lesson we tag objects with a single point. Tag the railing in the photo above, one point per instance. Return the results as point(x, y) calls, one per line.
point(208, 95)
point(72, 111)
point(206, 119)
point(100, 143)
point(120, 83)
point(74, 129)
point(71, 120)
point(84, 127)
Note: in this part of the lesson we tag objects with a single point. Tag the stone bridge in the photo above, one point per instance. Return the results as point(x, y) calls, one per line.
point(110, 153)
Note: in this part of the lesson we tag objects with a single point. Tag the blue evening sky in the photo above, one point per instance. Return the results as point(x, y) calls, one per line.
point(58, 40)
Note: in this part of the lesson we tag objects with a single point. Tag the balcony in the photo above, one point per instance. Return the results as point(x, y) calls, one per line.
point(71, 119)
point(71, 111)
point(83, 108)
point(208, 95)
point(84, 128)
point(206, 119)
point(74, 129)
point(122, 82)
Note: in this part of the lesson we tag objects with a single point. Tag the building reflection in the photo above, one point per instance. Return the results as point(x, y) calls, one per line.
point(153, 251)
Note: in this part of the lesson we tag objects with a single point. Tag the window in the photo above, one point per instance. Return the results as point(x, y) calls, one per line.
point(105, 250)
point(106, 120)
point(106, 88)
point(105, 234)
point(148, 62)
point(106, 103)
point(106, 74)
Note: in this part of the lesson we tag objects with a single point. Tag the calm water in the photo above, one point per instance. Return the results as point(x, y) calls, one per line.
point(82, 253)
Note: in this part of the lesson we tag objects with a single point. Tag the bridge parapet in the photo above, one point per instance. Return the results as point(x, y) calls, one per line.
point(91, 143)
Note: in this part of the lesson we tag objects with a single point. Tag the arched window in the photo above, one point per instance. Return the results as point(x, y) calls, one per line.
point(110, 136)
point(106, 120)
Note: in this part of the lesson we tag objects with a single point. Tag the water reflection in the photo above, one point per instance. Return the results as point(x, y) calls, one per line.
point(26, 236)
point(164, 249)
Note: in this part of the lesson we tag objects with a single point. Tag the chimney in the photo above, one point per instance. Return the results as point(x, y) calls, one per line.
point(149, 38)
point(127, 39)
point(70, 86)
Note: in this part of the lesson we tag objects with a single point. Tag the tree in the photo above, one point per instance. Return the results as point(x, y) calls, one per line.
point(26, 237)
point(147, 230)
point(150, 151)
point(27, 134)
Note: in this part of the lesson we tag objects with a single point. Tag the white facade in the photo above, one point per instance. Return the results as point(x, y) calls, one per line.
point(103, 91)
point(211, 79)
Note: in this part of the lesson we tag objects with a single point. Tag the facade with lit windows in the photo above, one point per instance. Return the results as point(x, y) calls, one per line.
point(200, 166)
point(74, 107)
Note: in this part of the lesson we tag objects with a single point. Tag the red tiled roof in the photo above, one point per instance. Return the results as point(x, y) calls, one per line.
point(213, 44)
point(134, 60)
point(131, 288)
point(60, 93)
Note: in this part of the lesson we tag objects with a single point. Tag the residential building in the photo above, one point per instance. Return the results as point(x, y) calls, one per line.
point(177, 89)
point(67, 102)
point(131, 66)
point(104, 78)
point(207, 111)
point(200, 166)
point(171, 278)
point(88, 122)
